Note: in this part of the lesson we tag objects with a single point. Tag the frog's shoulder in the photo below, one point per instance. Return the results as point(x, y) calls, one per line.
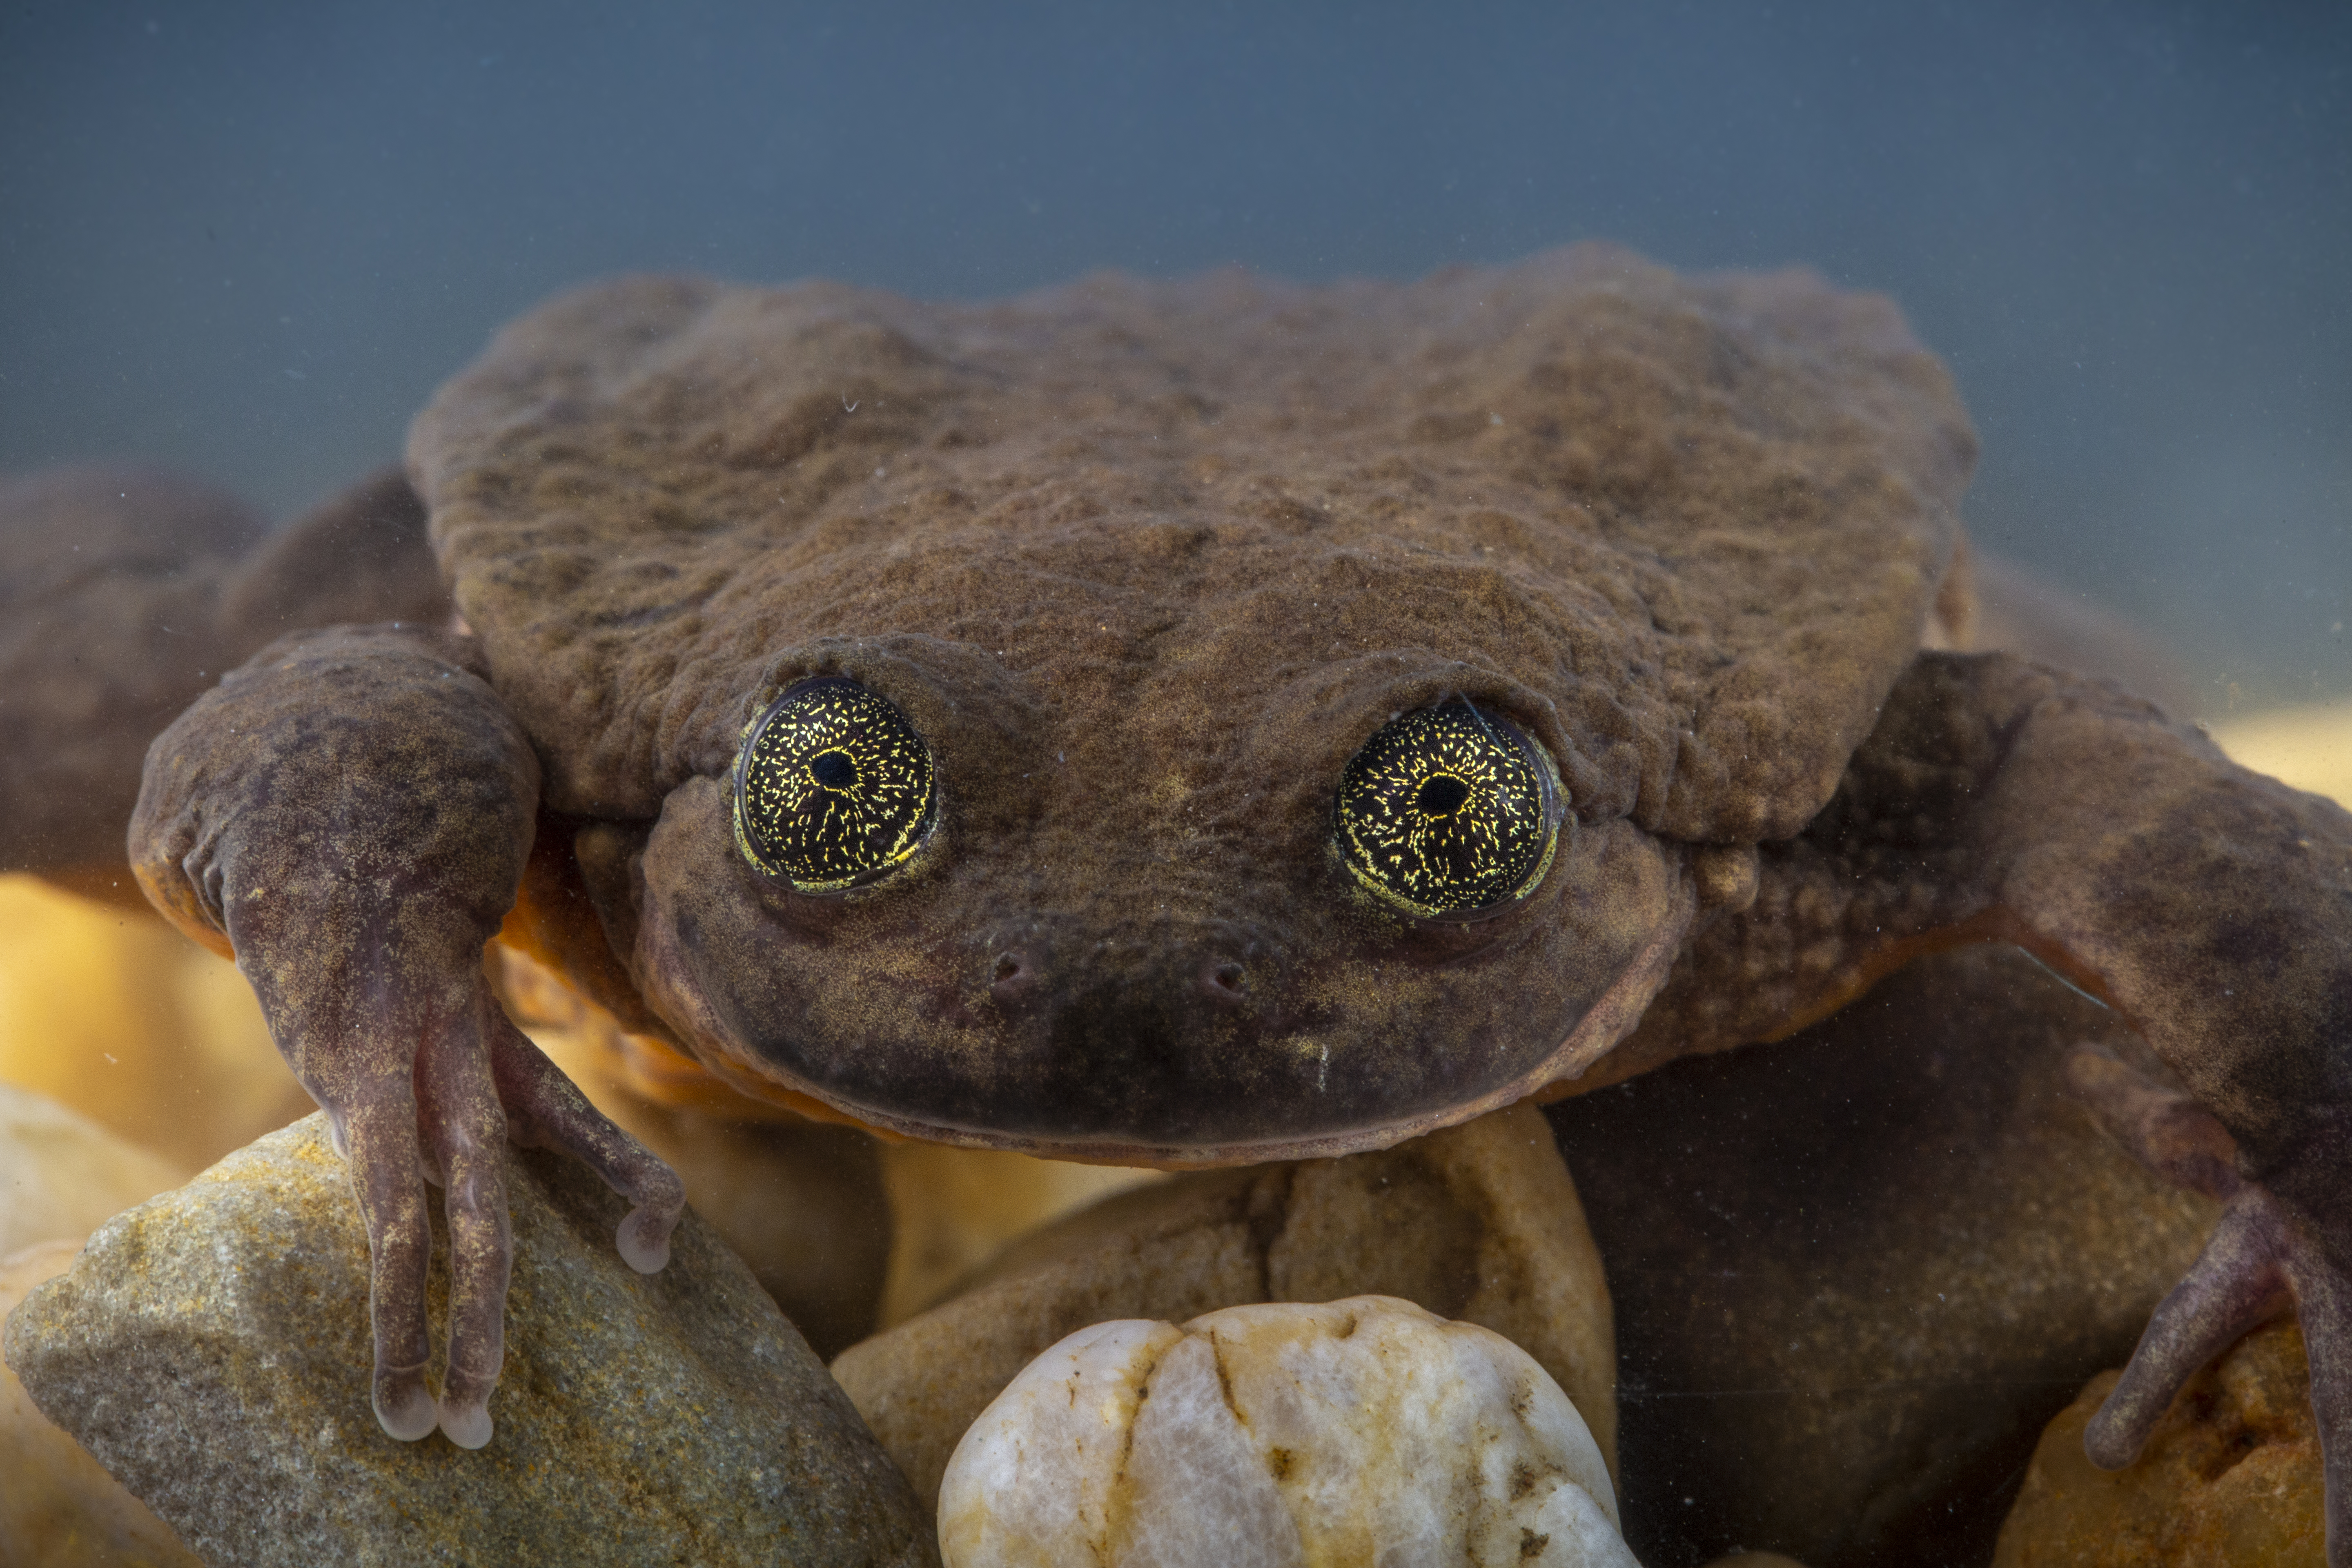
point(1723, 503)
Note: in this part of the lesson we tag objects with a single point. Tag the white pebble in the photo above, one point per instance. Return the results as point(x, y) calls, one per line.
point(1272, 1436)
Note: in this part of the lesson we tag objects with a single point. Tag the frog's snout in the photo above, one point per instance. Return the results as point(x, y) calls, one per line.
point(1014, 979)
point(1175, 970)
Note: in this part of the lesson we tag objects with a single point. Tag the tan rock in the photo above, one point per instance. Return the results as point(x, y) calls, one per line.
point(1479, 1223)
point(59, 1509)
point(952, 1209)
point(210, 1348)
point(62, 1174)
point(1361, 1431)
point(2229, 1479)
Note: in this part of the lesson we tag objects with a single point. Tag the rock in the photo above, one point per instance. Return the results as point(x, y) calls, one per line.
point(1478, 1223)
point(62, 1174)
point(2229, 1479)
point(2309, 746)
point(1856, 1271)
point(210, 1348)
point(952, 1209)
point(59, 1507)
point(1365, 1430)
point(115, 1014)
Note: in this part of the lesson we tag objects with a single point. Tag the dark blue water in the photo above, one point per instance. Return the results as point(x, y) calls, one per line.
point(250, 238)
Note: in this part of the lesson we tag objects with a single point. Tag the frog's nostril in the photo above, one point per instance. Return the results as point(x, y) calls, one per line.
point(1012, 975)
point(1225, 982)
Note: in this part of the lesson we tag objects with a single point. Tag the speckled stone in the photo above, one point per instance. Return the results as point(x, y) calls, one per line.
point(211, 1349)
point(1856, 1271)
point(59, 1508)
point(1277, 1436)
point(1479, 1223)
point(2229, 1479)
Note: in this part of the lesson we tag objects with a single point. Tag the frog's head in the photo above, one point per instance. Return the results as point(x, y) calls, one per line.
point(1131, 625)
point(1205, 894)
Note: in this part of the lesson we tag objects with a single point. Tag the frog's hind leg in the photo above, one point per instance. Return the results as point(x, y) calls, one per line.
point(2258, 1264)
point(124, 594)
point(1999, 800)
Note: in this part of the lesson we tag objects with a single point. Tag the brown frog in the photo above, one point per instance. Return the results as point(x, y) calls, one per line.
point(1215, 723)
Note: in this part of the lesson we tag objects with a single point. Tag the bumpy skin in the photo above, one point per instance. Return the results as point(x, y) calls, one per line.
point(2211, 907)
point(351, 812)
point(1145, 565)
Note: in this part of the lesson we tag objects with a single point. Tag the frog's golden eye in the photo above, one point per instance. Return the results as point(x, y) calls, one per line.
point(832, 788)
point(1450, 811)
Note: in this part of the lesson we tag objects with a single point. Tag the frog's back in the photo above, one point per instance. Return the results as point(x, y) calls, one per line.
point(1703, 519)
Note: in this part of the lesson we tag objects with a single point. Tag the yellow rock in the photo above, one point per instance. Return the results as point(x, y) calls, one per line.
point(955, 1208)
point(2230, 1479)
point(2309, 747)
point(62, 1175)
point(117, 1015)
point(59, 1508)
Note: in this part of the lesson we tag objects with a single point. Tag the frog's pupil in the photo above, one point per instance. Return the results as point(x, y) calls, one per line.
point(1442, 797)
point(834, 769)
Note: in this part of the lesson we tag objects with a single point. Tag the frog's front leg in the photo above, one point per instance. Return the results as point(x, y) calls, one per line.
point(349, 814)
point(2211, 907)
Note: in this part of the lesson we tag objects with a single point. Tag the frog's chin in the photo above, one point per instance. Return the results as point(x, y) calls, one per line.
point(722, 1052)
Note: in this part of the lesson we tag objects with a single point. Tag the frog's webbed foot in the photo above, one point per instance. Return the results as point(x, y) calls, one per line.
point(351, 812)
point(2263, 1260)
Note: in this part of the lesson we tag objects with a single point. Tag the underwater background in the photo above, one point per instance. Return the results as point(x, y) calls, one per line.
point(249, 239)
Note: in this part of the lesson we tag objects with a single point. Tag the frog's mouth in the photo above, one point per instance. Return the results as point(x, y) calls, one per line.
point(1180, 1039)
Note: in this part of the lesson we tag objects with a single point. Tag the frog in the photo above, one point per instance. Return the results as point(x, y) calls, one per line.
point(1217, 721)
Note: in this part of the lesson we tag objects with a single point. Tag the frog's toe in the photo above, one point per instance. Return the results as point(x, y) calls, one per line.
point(404, 1405)
point(466, 1129)
point(2238, 1283)
point(2324, 1308)
point(643, 1239)
point(546, 1110)
point(381, 1139)
point(467, 1424)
